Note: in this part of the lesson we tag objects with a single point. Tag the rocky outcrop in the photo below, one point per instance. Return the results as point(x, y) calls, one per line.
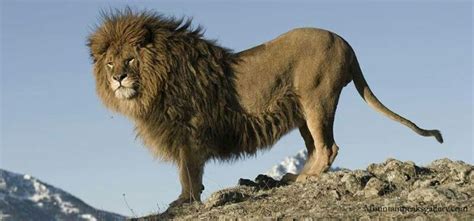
point(442, 190)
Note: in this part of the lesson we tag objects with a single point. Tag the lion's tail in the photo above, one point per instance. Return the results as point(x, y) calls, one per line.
point(371, 99)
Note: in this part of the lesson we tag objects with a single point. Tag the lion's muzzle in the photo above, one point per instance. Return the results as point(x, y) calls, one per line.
point(123, 86)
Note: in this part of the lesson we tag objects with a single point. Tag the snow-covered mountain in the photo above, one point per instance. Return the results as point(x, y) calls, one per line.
point(23, 197)
point(292, 164)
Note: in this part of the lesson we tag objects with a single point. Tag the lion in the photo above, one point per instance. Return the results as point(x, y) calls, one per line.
point(192, 100)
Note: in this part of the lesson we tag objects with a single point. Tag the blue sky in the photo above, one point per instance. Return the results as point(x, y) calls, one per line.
point(417, 58)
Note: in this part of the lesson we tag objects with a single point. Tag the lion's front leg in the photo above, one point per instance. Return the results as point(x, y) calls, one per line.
point(191, 169)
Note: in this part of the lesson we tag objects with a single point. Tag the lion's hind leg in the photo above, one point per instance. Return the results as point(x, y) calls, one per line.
point(309, 143)
point(308, 139)
point(320, 114)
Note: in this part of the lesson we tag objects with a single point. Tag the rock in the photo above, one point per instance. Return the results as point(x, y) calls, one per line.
point(362, 176)
point(352, 184)
point(426, 183)
point(262, 182)
point(332, 179)
point(226, 197)
point(376, 187)
point(426, 195)
point(471, 176)
point(247, 182)
point(355, 181)
point(395, 172)
point(335, 195)
point(457, 171)
point(266, 182)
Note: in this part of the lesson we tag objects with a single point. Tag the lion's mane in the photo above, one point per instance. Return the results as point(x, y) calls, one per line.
point(187, 96)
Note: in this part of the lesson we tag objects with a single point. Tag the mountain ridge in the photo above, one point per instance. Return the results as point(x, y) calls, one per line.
point(24, 197)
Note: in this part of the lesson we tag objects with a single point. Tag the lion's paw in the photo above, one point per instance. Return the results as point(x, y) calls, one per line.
point(302, 178)
point(181, 201)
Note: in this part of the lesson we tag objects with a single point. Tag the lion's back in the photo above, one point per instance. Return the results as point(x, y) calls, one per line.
point(266, 73)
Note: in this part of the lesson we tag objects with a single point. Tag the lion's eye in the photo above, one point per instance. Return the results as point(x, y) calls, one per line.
point(110, 65)
point(130, 61)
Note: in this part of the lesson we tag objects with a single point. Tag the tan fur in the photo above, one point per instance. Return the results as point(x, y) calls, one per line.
point(192, 100)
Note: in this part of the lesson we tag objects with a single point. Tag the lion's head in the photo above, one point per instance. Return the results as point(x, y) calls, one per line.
point(122, 72)
point(127, 65)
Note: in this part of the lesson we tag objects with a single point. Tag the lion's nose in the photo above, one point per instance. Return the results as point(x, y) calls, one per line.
point(119, 77)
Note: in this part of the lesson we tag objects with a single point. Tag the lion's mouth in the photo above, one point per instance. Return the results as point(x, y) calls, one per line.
point(125, 92)
point(124, 89)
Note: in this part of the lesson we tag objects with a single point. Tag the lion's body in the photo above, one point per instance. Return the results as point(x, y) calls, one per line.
point(289, 62)
point(197, 101)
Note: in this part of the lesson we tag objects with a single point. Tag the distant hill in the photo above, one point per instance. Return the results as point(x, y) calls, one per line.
point(23, 197)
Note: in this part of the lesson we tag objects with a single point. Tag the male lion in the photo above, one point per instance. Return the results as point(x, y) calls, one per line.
point(192, 100)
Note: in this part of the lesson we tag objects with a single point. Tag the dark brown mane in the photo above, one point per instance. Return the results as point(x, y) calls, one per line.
point(188, 95)
point(127, 27)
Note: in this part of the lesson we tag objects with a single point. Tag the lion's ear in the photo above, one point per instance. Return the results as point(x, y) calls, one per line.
point(97, 46)
point(146, 37)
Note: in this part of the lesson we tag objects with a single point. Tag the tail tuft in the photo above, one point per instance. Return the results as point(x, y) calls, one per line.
point(437, 135)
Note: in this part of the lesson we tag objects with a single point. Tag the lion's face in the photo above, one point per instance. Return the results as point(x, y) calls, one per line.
point(128, 66)
point(122, 69)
